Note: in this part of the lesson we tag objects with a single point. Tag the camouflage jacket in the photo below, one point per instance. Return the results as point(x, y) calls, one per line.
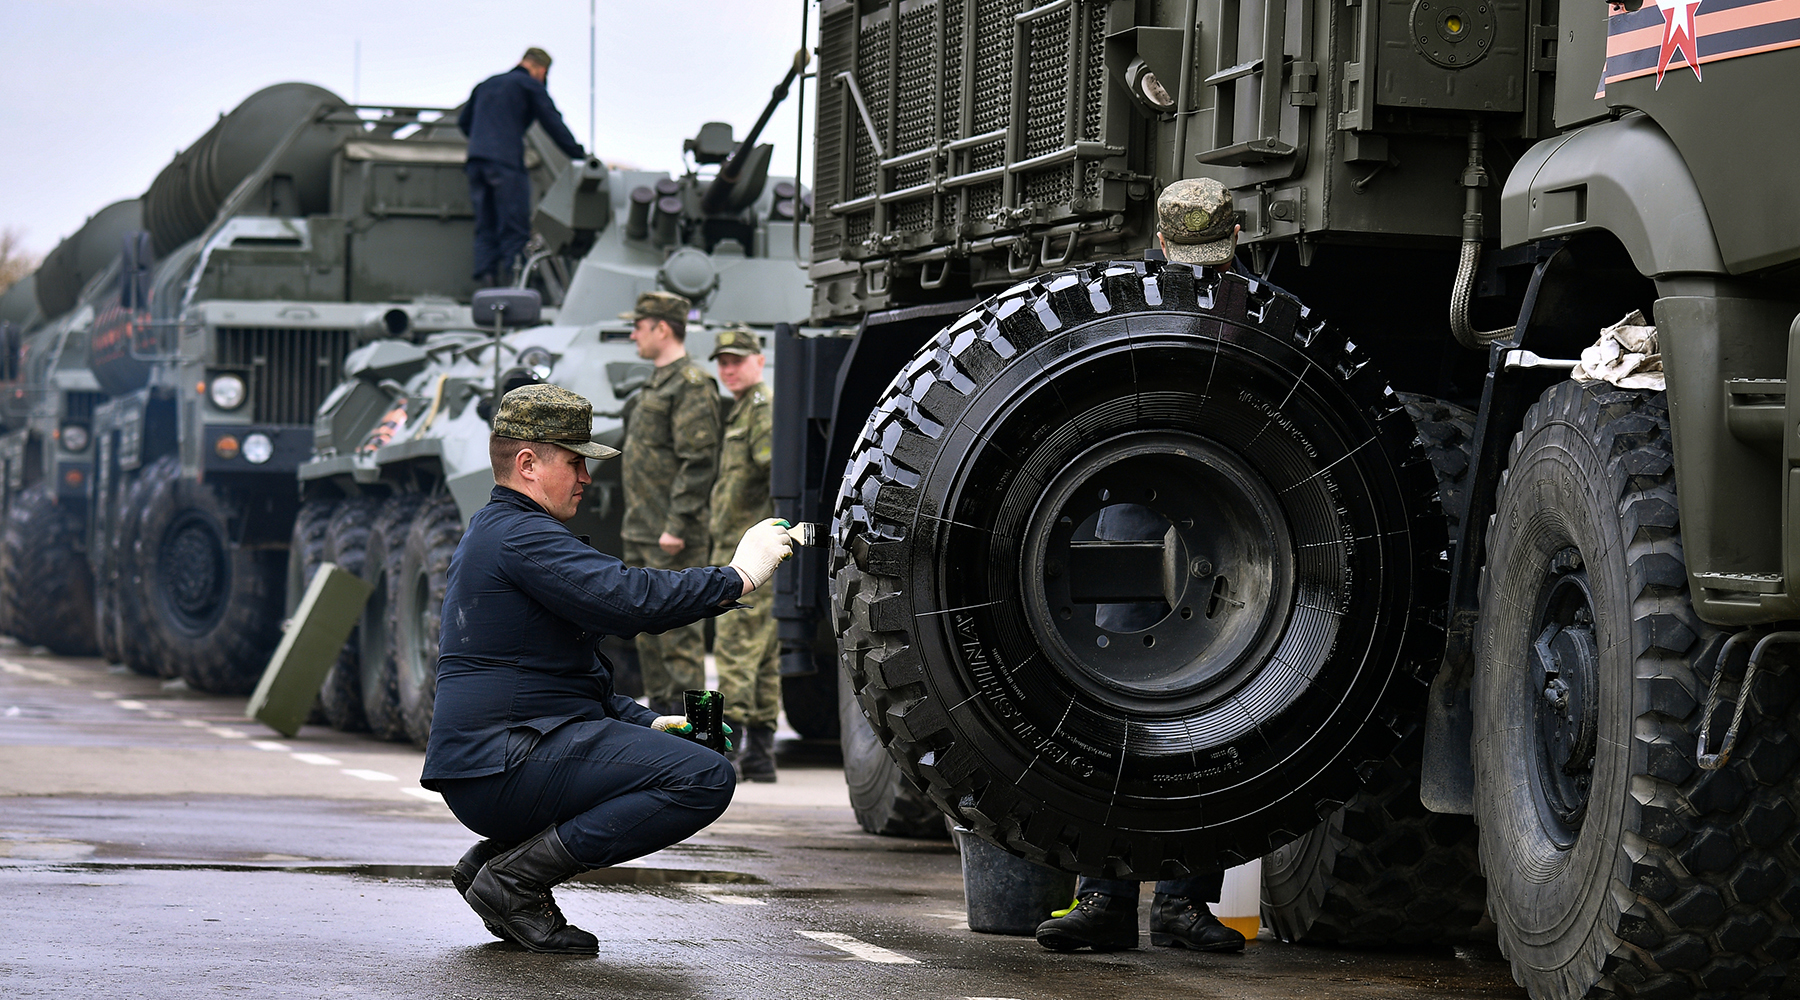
point(741, 496)
point(671, 454)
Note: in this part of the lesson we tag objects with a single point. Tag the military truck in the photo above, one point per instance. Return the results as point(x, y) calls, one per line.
point(200, 328)
point(400, 459)
point(1141, 568)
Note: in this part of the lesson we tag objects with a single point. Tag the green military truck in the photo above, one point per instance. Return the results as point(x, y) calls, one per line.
point(192, 335)
point(399, 458)
point(1140, 569)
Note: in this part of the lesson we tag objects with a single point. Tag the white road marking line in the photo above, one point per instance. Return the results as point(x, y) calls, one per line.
point(357, 772)
point(130, 704)
point(858, 949)
point(987, 998)
point(423, 793)
point(102, 695)
point(157, 713)
point(713, 895)
point(316, 758)
point(269, 745)
point(36, 675)
point(947, 916)
point(193, 723)
point(228, 734)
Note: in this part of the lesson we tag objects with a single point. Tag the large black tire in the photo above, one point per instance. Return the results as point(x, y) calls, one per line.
point(1216, 422)
point(381, 567)
point(1384, 870)
point(128, 608)
point(346, 544)
point(1615, 866)
point(46, 587)
point(415, 615)
point(885, 800)
point(214, 607)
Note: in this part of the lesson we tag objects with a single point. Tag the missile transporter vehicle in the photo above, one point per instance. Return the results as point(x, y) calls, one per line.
point(200, 328)
point(1141, 568)
point(400, 447)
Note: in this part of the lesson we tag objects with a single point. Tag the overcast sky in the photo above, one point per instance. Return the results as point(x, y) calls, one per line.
point(96, 96)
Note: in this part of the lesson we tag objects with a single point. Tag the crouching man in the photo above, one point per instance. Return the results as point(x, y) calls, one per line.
point(530, 746)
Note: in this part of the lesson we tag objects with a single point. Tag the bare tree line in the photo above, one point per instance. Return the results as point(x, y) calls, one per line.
point(15, 261)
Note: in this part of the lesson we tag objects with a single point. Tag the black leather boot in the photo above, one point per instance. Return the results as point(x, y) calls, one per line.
point(512, 892)
point(756, 762)
point(1098, 921)
point(463, 874)
point(1180, 922)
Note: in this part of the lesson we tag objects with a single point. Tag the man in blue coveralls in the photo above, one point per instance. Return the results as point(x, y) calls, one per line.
point(498, 112)
point(530, 746)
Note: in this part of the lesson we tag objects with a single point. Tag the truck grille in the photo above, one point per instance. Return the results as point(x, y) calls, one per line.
point(968, 74)
point(290, 371)
point(78, 407)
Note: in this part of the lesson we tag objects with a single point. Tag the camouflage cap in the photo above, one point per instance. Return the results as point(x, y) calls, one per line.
point(739, 340)
point(1196, 221)
point(660, 305)
point(537, 55)
point(553, 414)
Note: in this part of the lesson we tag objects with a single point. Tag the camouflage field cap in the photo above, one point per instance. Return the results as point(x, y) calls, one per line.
point(1196, 220)
point(738, 340)
point(550, 413)
point(660, 305)
point(538, 56)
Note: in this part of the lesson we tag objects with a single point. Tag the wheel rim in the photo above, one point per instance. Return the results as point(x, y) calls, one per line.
point(195, 572)
point(1564, 675)
point(1155, 565)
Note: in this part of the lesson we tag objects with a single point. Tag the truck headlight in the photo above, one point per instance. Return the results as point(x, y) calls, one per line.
point(537, 360)
point(226, 392)
point(258, 448)
point(74, 437)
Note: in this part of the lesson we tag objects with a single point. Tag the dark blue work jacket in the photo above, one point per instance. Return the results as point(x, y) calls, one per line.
point(525, 603)
point(501, 108)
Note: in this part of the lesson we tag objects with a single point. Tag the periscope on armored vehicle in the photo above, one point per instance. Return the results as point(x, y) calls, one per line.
point(1144, 569)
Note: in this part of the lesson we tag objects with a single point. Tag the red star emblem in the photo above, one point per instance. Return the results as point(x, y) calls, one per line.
point(1678, 34)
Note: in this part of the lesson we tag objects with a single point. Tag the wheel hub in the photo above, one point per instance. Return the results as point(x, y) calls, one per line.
point(1565, 678)
point(1155, 564)
point(193, 570)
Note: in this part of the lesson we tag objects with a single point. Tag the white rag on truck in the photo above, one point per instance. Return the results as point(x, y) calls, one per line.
point(1625, 355)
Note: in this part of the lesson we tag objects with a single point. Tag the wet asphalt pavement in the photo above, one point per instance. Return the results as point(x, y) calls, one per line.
point(154, 843)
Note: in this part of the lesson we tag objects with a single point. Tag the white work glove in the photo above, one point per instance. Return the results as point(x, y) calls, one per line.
point(762, 548)
point(672, 724)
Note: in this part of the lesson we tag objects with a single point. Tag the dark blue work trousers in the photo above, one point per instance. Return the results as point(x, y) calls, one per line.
point(501, 196)
point(616, 791)
point(1204, 888)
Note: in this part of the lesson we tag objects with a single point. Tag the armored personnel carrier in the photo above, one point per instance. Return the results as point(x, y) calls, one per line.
point(1142, 568)
point(184, 342)
point(400, 458)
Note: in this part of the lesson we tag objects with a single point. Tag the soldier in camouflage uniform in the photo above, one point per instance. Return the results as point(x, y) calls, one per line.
point(745, 645)
point(671, 455)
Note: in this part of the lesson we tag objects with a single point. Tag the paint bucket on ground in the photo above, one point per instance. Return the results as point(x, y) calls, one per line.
point(1240, 901)
point(1008, 895)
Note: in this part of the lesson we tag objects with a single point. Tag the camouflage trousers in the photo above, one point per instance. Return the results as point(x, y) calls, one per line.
point(674, 661)
point(748, 654)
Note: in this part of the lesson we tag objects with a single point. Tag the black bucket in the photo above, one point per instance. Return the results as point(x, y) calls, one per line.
point(1008, 895)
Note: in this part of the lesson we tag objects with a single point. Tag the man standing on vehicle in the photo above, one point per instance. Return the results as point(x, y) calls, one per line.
point(746, 646)
point(1197, 225)
point(498, 112)
point(530, 746)
point(671, 456)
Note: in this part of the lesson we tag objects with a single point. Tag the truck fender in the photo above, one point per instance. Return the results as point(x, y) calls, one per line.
point(1625, 177)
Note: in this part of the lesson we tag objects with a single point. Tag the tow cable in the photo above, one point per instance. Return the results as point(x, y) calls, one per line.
point(1714, 761)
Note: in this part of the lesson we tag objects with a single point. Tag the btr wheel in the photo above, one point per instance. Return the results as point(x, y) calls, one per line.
point(375, 631)
point(346, 544)
point(1615, 866)
point(214, 606)
point(418, 608)
point(1134, 568)
point(884, 799)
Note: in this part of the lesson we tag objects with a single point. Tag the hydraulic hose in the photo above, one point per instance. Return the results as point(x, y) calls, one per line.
point(1474, 178)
